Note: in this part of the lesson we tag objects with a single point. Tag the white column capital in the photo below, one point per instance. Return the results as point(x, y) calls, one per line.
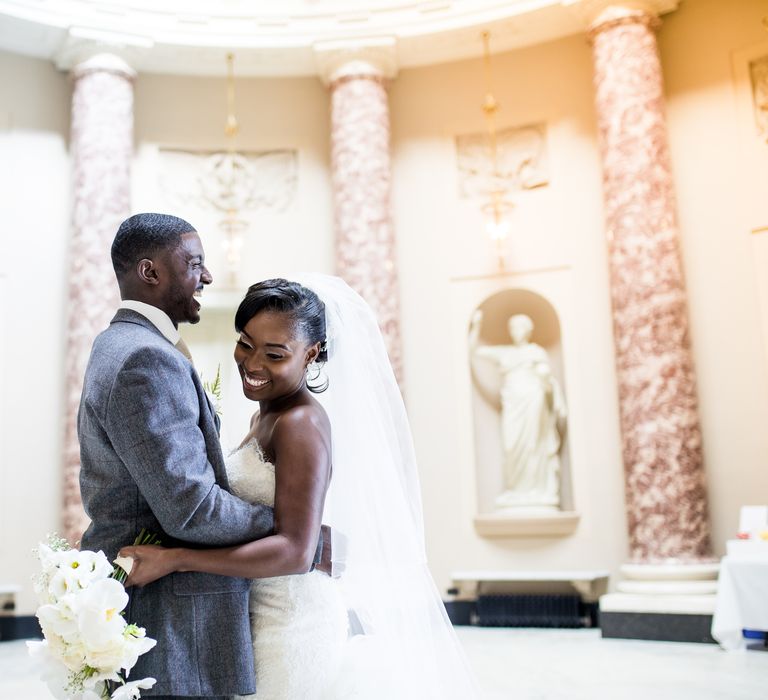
point(598, 14)
point(374, 57)
point(83, 44)
point(103, 63)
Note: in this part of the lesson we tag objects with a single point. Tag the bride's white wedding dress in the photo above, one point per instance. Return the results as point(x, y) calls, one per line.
point(299, 623)
point(403, 644)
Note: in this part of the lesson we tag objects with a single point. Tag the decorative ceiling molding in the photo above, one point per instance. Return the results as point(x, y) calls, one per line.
point(281, 39)
point(372, 56)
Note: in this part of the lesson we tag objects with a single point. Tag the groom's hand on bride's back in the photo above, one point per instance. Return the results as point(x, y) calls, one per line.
point(324, 564)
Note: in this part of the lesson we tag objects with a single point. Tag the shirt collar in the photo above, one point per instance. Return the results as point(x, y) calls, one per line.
point(157, 317)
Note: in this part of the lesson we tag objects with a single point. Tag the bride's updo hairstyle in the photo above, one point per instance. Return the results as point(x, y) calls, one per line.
point(302, 305)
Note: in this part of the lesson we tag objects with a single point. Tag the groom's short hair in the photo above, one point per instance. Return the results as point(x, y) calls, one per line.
point(143, 235)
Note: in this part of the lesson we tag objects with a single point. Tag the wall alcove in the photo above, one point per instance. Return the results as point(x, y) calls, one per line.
point(493, 521)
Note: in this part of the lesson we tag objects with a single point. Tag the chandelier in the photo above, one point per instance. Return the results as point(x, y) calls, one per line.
point(497, 208)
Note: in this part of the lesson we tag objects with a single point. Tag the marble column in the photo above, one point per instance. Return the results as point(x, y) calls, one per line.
point(101, 144)
point(366, 255)
point(665, 490)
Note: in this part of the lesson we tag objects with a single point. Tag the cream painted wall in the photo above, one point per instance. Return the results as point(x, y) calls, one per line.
point(721, 174)
point(447, 269)
point(189, 113)
point(718, 178)
point(274, 114)
point(34, 182)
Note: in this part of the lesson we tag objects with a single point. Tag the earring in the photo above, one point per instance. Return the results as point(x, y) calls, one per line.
point(316, 381)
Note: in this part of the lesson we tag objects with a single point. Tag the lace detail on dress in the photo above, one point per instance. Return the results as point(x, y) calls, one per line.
point(251, 476)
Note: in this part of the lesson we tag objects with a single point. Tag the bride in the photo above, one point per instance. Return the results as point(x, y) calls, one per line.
point(376, 628)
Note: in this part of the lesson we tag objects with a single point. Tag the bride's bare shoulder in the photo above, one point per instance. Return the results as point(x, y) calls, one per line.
point(305, 416)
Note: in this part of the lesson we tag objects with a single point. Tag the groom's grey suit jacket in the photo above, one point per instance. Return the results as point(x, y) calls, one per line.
point(151, 458)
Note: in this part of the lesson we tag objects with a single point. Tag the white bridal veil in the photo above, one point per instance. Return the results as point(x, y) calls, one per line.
point(408, 646)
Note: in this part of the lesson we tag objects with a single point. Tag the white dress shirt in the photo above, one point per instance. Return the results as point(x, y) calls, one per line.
point(157, 317)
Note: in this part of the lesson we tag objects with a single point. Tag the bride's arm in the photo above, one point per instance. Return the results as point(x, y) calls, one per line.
point(302, 473)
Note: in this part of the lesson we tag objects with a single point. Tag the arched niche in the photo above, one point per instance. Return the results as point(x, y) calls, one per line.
point(489, 454)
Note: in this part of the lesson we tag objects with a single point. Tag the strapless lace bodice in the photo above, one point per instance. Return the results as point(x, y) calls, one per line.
point(251, 476)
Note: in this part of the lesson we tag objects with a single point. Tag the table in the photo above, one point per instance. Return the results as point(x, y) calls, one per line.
point(742, 599)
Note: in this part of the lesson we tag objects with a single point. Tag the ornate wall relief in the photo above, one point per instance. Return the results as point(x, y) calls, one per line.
point(522, 161)
point(243, 181)
point(758, 71)
point(232, 186)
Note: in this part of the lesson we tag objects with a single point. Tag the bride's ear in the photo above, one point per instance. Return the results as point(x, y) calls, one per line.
point(312, 353)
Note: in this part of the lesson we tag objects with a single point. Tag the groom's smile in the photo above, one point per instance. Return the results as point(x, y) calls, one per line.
point(186, 277)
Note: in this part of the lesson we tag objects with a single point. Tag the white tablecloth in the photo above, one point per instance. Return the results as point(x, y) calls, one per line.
point(742, 600)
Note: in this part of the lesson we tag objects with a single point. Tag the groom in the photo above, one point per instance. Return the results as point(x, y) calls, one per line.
point(151, 458)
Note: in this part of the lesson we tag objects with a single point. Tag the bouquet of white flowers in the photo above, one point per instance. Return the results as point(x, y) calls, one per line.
point(88, 643)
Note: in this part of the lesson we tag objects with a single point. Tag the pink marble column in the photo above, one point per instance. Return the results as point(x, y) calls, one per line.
point(665, 491)
point(102, 147)
point(366, 255)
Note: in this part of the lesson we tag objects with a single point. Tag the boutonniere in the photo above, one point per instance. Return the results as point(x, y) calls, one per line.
point(213, 391)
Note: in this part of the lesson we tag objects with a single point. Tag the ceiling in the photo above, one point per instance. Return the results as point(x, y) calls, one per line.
point(280, 37)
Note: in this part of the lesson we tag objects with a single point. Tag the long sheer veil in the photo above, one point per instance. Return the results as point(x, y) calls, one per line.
point(374, 509)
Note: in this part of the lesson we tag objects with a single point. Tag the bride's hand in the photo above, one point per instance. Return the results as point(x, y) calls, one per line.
point(150, 563)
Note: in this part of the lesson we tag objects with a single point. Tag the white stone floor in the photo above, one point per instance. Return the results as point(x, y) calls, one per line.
point(536, 664)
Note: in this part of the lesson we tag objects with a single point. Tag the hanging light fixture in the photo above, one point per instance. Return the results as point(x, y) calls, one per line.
point(228, 184)
point(497, 209)
point(233, 226)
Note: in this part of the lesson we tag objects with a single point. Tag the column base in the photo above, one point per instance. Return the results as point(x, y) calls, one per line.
point(666, 602)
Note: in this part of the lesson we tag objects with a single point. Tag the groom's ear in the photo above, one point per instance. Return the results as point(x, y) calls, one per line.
point(147, 271)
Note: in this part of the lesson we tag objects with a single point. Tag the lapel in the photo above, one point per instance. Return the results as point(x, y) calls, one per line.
point(212, 410)
point(130, 316)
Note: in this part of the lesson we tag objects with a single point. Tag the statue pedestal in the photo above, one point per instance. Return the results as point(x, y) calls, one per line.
point(667, 602)
point(527, 522)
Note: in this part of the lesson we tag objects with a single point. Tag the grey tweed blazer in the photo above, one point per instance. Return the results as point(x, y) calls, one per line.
point(151, 458)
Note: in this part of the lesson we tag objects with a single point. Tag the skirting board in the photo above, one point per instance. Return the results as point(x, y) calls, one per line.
point(662, 627)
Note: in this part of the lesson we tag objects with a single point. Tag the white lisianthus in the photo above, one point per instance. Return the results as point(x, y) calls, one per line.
point(132, 690)
point(63, 582)
point(76, 570)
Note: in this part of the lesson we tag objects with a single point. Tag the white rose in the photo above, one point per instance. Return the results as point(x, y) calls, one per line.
point(59, 618)
point(108, 657)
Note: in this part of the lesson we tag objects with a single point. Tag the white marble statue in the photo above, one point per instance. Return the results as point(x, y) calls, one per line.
point(532, 414)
